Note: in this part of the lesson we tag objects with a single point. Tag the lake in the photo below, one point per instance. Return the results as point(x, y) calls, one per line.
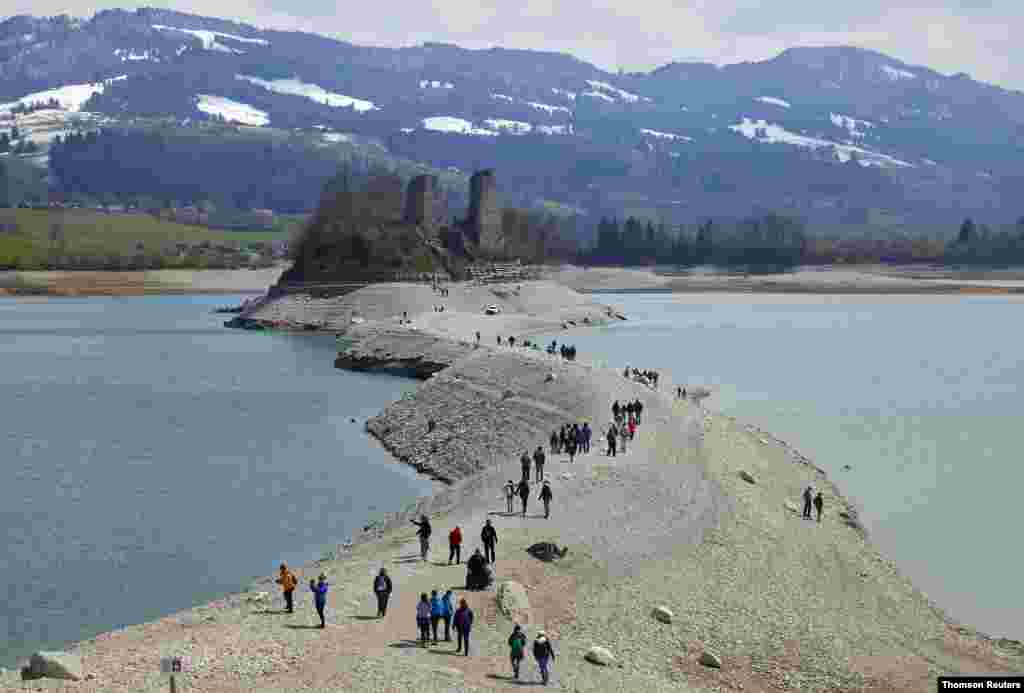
point(921, 396)
point(154, 460)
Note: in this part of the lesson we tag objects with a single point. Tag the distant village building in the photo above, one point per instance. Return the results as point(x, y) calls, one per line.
point(264, 217)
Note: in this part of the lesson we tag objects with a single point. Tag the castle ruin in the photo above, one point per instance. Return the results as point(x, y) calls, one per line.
point(419, 203)
point(484, 213)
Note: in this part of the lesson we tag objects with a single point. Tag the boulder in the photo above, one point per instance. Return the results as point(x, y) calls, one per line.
point(600, 655)
point(791, 506)
point(54, 665)
point(546, 551)
point(513, 601)
point(662, 613)
point(257, 597)
point(710, 659)
point(748, 477)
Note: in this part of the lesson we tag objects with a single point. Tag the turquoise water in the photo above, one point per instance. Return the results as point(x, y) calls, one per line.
point(921, 396)
point(154, 459)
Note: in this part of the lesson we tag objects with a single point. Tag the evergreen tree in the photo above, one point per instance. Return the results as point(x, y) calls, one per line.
point(968, 233)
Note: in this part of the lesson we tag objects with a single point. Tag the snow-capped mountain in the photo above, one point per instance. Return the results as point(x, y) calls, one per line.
point(823, 132)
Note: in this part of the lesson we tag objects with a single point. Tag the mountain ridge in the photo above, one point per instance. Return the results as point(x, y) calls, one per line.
point(679, 142)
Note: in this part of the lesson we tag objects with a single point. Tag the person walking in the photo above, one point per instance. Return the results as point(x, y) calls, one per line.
point(587, 433)
point(639, 407)
point(489, 536)
point(319, 590)
point(524, 463)
point(615, 406)
point(545, 497)
point(455, 545)
point(808, 496)
point(510, 494)
point(543, 653)
point(424, 534)
point(524, 494)
point(554, 442)
point(623, 435)
point(436, 612)
point(611, 437)
point(423, 618)
point(288, 583)
point(448, 610)
point(632, 427)
point(382, 588)
point(538, 463)
point(819, 504)
point(463, 626)
point(517, 648)
point(571, 446)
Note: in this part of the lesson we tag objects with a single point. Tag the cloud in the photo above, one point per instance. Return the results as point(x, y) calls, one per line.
point(972, 36)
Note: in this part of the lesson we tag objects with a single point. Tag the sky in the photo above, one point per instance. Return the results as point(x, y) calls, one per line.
point(972, 36)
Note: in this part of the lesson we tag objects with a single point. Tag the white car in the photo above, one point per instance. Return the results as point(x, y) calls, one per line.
point(492, 310)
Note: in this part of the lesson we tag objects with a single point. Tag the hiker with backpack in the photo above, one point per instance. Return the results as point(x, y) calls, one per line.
point(517, 649)
point(288, 583)
point(382, 588)
point(545, 498)
point(524, 494)
point(423, 618)
point(463, 625)
point(543, 653)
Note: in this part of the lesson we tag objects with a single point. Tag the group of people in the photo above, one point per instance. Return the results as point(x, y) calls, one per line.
point(681, 393)
point(543, 652)
point(318, 587)
point(816, 499)
point(478, 571)
point(566, 351)
point(522, 489)
point(645, 377)
point(439, 309)
point(572, 439)
point(430, 613)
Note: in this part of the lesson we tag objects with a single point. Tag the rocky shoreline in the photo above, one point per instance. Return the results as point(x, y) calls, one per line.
point(697, 524)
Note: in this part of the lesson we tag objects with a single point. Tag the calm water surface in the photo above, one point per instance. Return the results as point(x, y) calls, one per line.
point(154, 459)
point(922, 396)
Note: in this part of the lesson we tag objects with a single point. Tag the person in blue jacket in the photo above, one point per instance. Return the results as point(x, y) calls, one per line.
point(319, 590)
point(436, 612)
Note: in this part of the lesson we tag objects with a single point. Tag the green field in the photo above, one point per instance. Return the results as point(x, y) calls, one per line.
point(31, 239)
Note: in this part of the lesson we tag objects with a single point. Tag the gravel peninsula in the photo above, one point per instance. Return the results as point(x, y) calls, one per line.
point(686, 550)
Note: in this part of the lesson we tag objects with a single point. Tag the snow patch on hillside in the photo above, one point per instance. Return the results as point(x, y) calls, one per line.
point(127, 55)
point(773, 101)
point(554, 129)
point(620, 93)
point(435, 84)
point(513, 127)
point(665, 135)
point(453, 124)
point(71, 97)
point(598, 95)
point(209, 38)
point(232, 111)
point(502, 97)
point(856, 128)
point(896, 74)
point(571, 95)
point(767, 133)
point(314, 92)
point(546, 107)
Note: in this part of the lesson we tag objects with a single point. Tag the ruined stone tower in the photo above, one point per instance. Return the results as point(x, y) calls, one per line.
point(419, 201)
point(484, 213)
